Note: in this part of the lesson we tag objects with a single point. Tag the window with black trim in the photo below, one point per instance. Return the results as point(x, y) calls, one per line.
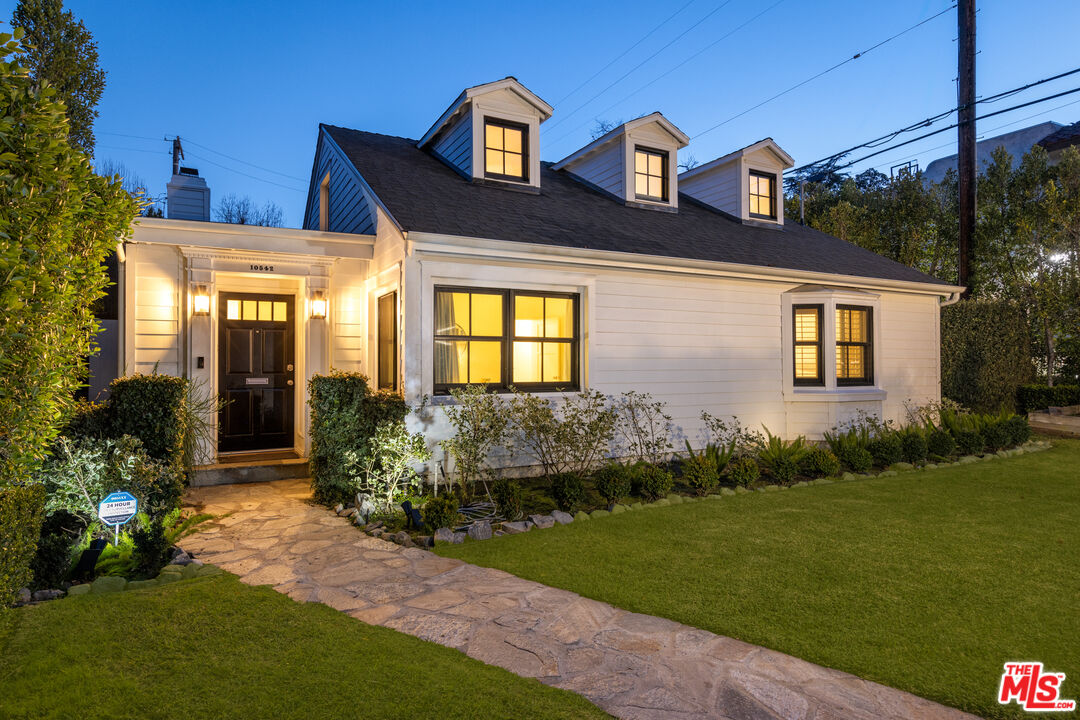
point(506, 338)
point(387, 341)
point(808, 351)
point(506, 150)
point(650, 174)
point(854, 345)
point(762, 195)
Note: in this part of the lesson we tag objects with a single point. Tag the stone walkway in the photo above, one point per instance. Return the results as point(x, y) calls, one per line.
point(631, 665)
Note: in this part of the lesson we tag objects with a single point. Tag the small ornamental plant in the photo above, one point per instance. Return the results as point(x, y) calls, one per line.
point(820, 462)
point(656, 482)
point(567, 490)
point(441, 512)
point(743, 471)
point(614, 481)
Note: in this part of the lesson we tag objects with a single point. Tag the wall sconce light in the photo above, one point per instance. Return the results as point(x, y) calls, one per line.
point(318, 306)
point(200, 301)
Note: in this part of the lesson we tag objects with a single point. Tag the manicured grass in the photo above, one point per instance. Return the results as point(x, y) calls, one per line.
point(929, 581)
point(215, 648)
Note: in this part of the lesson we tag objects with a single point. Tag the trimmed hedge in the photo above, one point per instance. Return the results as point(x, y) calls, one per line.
point(151, 408)
point(1031, 398)
point(22, 509)
point(344, 414)
point(985, 354)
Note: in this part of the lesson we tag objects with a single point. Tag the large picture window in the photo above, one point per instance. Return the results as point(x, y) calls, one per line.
point(808, 345)
point(854, 345)
point(506, 338)
point(762, 195)
point(506, 154)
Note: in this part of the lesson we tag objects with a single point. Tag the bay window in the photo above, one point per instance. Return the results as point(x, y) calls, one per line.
point(829, 338)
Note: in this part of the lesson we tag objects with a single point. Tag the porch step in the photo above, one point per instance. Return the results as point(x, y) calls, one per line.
point(249, 471)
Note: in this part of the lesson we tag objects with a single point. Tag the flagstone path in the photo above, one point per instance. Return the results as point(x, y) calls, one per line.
point(633, 666)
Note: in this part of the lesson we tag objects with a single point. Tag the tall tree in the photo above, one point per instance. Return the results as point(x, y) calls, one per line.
point(60, 50)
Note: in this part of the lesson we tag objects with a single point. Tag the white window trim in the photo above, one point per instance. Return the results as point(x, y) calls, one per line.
point(829, 298)
point(481, 113)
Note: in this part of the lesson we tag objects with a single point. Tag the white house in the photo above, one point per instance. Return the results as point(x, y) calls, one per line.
point(461, 258)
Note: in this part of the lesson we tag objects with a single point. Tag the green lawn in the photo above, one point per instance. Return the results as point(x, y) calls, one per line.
point(215, 648)
point(929, 581)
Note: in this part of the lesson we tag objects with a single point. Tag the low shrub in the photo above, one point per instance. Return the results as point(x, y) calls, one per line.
point(151, 547)
point(940, 442)
point(969, 442)
point(507, 495)
point(845, 441)
point(857, 459)
point(151, 408)
point(996, 435)
point(572, 435)
point(782, 457)
point(743, 471)
point(345, 414)
point(886, 449)
point(655, 482)
point(700, 473)
point(1019, 430)
point(442, 512)
point(567, 490)
point(55, 550)
point(913, 445)
point(21, 513)
point(1032, 398)
point(820, 462)
point(614, 481)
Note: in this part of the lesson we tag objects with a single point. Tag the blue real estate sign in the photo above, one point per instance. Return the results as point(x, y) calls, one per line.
point(118, 508)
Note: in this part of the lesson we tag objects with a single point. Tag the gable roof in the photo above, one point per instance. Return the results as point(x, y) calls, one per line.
point(1063, 137)
point(765, 143)
point(424, 195)
point(681, 138)
point(509, 82)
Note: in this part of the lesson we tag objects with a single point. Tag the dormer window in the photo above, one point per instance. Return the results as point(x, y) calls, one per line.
point(650, 174)
point(506, 155)
point(762, 195)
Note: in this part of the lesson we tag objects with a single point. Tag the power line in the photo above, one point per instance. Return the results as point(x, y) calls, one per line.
point(241, 172)
point(655, 80)
point(853, 58)
point(244, 162)
point(629, 72)
point(624, 53)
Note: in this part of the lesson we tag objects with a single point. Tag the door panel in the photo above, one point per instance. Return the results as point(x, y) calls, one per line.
point(257, 351)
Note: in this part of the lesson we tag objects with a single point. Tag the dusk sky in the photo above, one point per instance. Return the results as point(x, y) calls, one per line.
point(245, 84)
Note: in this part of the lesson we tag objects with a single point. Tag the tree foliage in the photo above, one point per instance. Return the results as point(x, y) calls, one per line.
point(60, 51)
point(245, 211)
point(58, 222)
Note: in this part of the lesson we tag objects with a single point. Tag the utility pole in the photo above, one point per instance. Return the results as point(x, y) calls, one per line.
point(966, 167)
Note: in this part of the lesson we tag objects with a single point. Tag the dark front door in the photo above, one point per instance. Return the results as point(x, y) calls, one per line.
point(256, 371)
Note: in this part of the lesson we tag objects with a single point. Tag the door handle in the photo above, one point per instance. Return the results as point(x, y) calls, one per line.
point(289, 383)
point(289, 367)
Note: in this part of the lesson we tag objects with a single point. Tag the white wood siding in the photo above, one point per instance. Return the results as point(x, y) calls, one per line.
point(155, 273)
point(718, 187)
point(603, 169)
point(455, 145)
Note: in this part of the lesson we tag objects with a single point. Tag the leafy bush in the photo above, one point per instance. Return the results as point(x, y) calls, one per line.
point(820, 462)
point(441, 512)
point(1019, 430)
point(913, 445)
point(969, 442)
point(385, 472)
point(59, 221)
point(345, 414)
point(567, 490)
point(81, 473)
point(857, 459)
point(725, 433)
point(572, 440)
point(743, 470)
point(985, 353)
point(655, 482)
point(614, 481)
point(89, 420)
point(1032, 398)
point(508, 498)
point(151, 547)
point(886, 449)
point(642, 428)
point(480, 421)
point(55, 549)
point(21, 513)
point(997, 435)
point(151, 408)
point(700, 473)
point(781, 457)
point(940, 442)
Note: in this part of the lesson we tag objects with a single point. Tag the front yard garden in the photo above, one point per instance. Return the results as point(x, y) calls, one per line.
point(215, 648)
point(928, 581)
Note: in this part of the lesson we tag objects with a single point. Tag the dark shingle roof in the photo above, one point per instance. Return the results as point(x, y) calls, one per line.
point(1062, 138)
point(425, 195)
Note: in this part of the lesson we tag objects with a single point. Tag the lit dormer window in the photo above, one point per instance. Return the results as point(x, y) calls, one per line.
point(650, 174)
point(762, 195)
point(506, 150)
